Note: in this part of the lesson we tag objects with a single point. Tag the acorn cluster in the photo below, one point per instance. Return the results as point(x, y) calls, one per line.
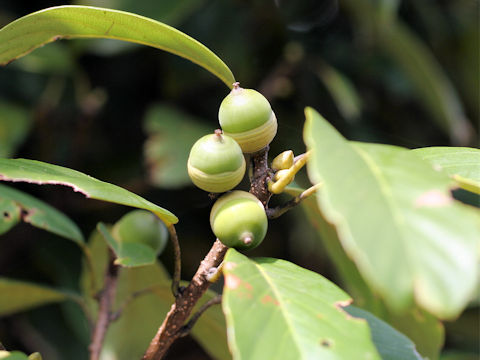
point(216, 164)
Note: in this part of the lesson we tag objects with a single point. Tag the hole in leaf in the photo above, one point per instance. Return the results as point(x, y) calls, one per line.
point(326, 343)
point(24, 213)
point(6, 215)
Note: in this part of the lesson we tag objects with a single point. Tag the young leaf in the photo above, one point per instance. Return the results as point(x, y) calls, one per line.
point(20, 296)
point(461, 163)
point(391, 344)
point(15, 206)
point(277, 310)
point(128, 254)
point(396, 219)
point(69, 22)
point(38, 172)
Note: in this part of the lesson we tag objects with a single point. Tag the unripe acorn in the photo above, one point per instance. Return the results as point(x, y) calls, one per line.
point(238, 220)
point(216, 163)
point(141, 226)
point(246, 116)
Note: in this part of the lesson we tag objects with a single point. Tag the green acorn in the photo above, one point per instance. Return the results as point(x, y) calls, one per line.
point(246, 116)
point(216, 163)
point(238, 220)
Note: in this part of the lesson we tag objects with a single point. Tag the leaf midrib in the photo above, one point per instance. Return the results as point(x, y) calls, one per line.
point(385, 189)
point(282, 307)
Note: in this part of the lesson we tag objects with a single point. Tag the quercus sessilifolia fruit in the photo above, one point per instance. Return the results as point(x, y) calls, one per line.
point(141, 226)
point(216, 163)
point(238, 220)
point(246, 116)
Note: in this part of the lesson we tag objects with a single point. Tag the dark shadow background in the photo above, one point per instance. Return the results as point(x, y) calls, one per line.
point(87, 103)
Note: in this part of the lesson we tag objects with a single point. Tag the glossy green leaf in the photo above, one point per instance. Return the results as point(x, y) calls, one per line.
point(393, 211)
point(275, 309)
point(421, 327)
point(37, 172)
point(391, 344)
point(20, 296)
point(10, 213)
point(166, 128)
point(69, 22)
point(170, 12)
point(461, 163)
point(128, 254)
point(148, 290)
point(16, 206)
point(15, 122)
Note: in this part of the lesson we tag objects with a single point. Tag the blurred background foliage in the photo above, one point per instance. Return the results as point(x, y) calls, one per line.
point(399, 72)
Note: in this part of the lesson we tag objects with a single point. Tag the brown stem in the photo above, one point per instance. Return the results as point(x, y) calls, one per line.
point(170, 330)
point(260, 176)
point(107, 296)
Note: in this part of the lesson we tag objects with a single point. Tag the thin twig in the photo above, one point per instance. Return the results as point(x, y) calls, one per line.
point(185, 330)
point(107, 297)
point(177, 271)
point(273, 213)
point(184, 304)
